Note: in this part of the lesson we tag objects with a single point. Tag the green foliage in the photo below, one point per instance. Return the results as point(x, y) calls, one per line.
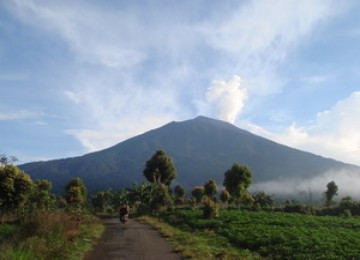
point(9, 232)
point(347, 206)
point(237, 180)
point(198, 193)
point(263, 200)
point(225, 196)
point(278, 235)
point(75, 192)
point(331, 191)
point(210, 189)
point(99, 201)
point(6, 160)
point(179, 191)
point(198, 245)
point(40, 197)
point(160, 169)
point(210, 209)
point(160, 197)
point(109, 201)
point(299, 208)
point(14, 187)
point(139, 197)
point(49, 235)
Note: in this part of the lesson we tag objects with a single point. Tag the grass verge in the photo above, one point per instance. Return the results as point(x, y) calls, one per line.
point(51, 235)
point(198, 245)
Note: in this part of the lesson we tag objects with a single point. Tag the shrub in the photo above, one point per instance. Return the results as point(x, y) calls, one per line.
point(210, 209)
point(298, 208)
point(347, 213)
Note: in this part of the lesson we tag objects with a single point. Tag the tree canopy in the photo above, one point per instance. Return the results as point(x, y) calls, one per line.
point(331, 191)
point(237, 180)
point(160, 169)
point(198, 193)
point(179, 191)
point(75, 191)
point(14, 186)
point(210, 189)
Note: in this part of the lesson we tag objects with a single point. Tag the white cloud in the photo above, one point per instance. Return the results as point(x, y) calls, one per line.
point(20, 114)
point(260, 35)
point(334, 134)
point(72, 96)
point(224, 100)
point(158, 52)
point(94, 36)
point(347, 181)
point(315, 79)
point(111, 113)
point(269, 28)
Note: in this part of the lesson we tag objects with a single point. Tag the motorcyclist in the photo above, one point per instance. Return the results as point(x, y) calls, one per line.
point(124, 213)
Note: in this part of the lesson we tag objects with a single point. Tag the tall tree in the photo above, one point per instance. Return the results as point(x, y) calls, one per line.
point(40, 195)
point(210, 189)
point(198, 193)
point(15, 185)
point(237, 180)
point(225, 196)
point(5, 160)
point(160, 169)
point(179, 191)
point(331, 191)
point(75, 192)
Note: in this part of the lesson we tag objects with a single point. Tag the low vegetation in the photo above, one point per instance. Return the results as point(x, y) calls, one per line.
point(198, 245)
point(49, 235)
point(274, 235)
point(36, 224)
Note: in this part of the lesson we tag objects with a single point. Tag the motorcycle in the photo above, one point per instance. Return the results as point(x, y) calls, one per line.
point(123, 219)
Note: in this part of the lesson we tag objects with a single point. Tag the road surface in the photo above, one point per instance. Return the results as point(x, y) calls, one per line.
point(132, 240)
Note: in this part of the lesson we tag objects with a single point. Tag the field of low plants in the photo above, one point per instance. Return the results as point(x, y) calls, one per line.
point(277, 235)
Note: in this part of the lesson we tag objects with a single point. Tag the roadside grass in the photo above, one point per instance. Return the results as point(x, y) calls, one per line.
point(198, 245)
point(49, 235)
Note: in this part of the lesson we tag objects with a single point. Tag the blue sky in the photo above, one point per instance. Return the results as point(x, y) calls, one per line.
point(80, 76)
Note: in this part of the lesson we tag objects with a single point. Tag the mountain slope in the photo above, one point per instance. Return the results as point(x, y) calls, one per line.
point(202, 148)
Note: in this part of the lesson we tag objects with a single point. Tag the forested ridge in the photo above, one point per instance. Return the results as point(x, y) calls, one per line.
point(202, 148)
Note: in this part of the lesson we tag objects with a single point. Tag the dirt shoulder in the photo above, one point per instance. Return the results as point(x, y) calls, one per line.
point(132, 240)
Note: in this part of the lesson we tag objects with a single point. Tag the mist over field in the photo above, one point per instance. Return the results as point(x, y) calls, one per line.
point(312, 189)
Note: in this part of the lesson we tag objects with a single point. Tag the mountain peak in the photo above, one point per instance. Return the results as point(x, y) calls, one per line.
point(202, 148)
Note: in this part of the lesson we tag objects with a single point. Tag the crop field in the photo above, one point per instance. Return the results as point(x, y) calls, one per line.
point(277, 235)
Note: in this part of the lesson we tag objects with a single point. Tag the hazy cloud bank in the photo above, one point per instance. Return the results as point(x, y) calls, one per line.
point(348, 183)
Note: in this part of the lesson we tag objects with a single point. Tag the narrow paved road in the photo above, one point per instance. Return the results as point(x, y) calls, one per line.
point(132, 240)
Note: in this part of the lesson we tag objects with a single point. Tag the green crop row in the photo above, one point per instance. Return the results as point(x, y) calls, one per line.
point(278, 235)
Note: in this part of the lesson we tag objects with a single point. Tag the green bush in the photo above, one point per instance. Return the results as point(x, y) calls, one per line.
point(210, 209)
point(9, 232)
